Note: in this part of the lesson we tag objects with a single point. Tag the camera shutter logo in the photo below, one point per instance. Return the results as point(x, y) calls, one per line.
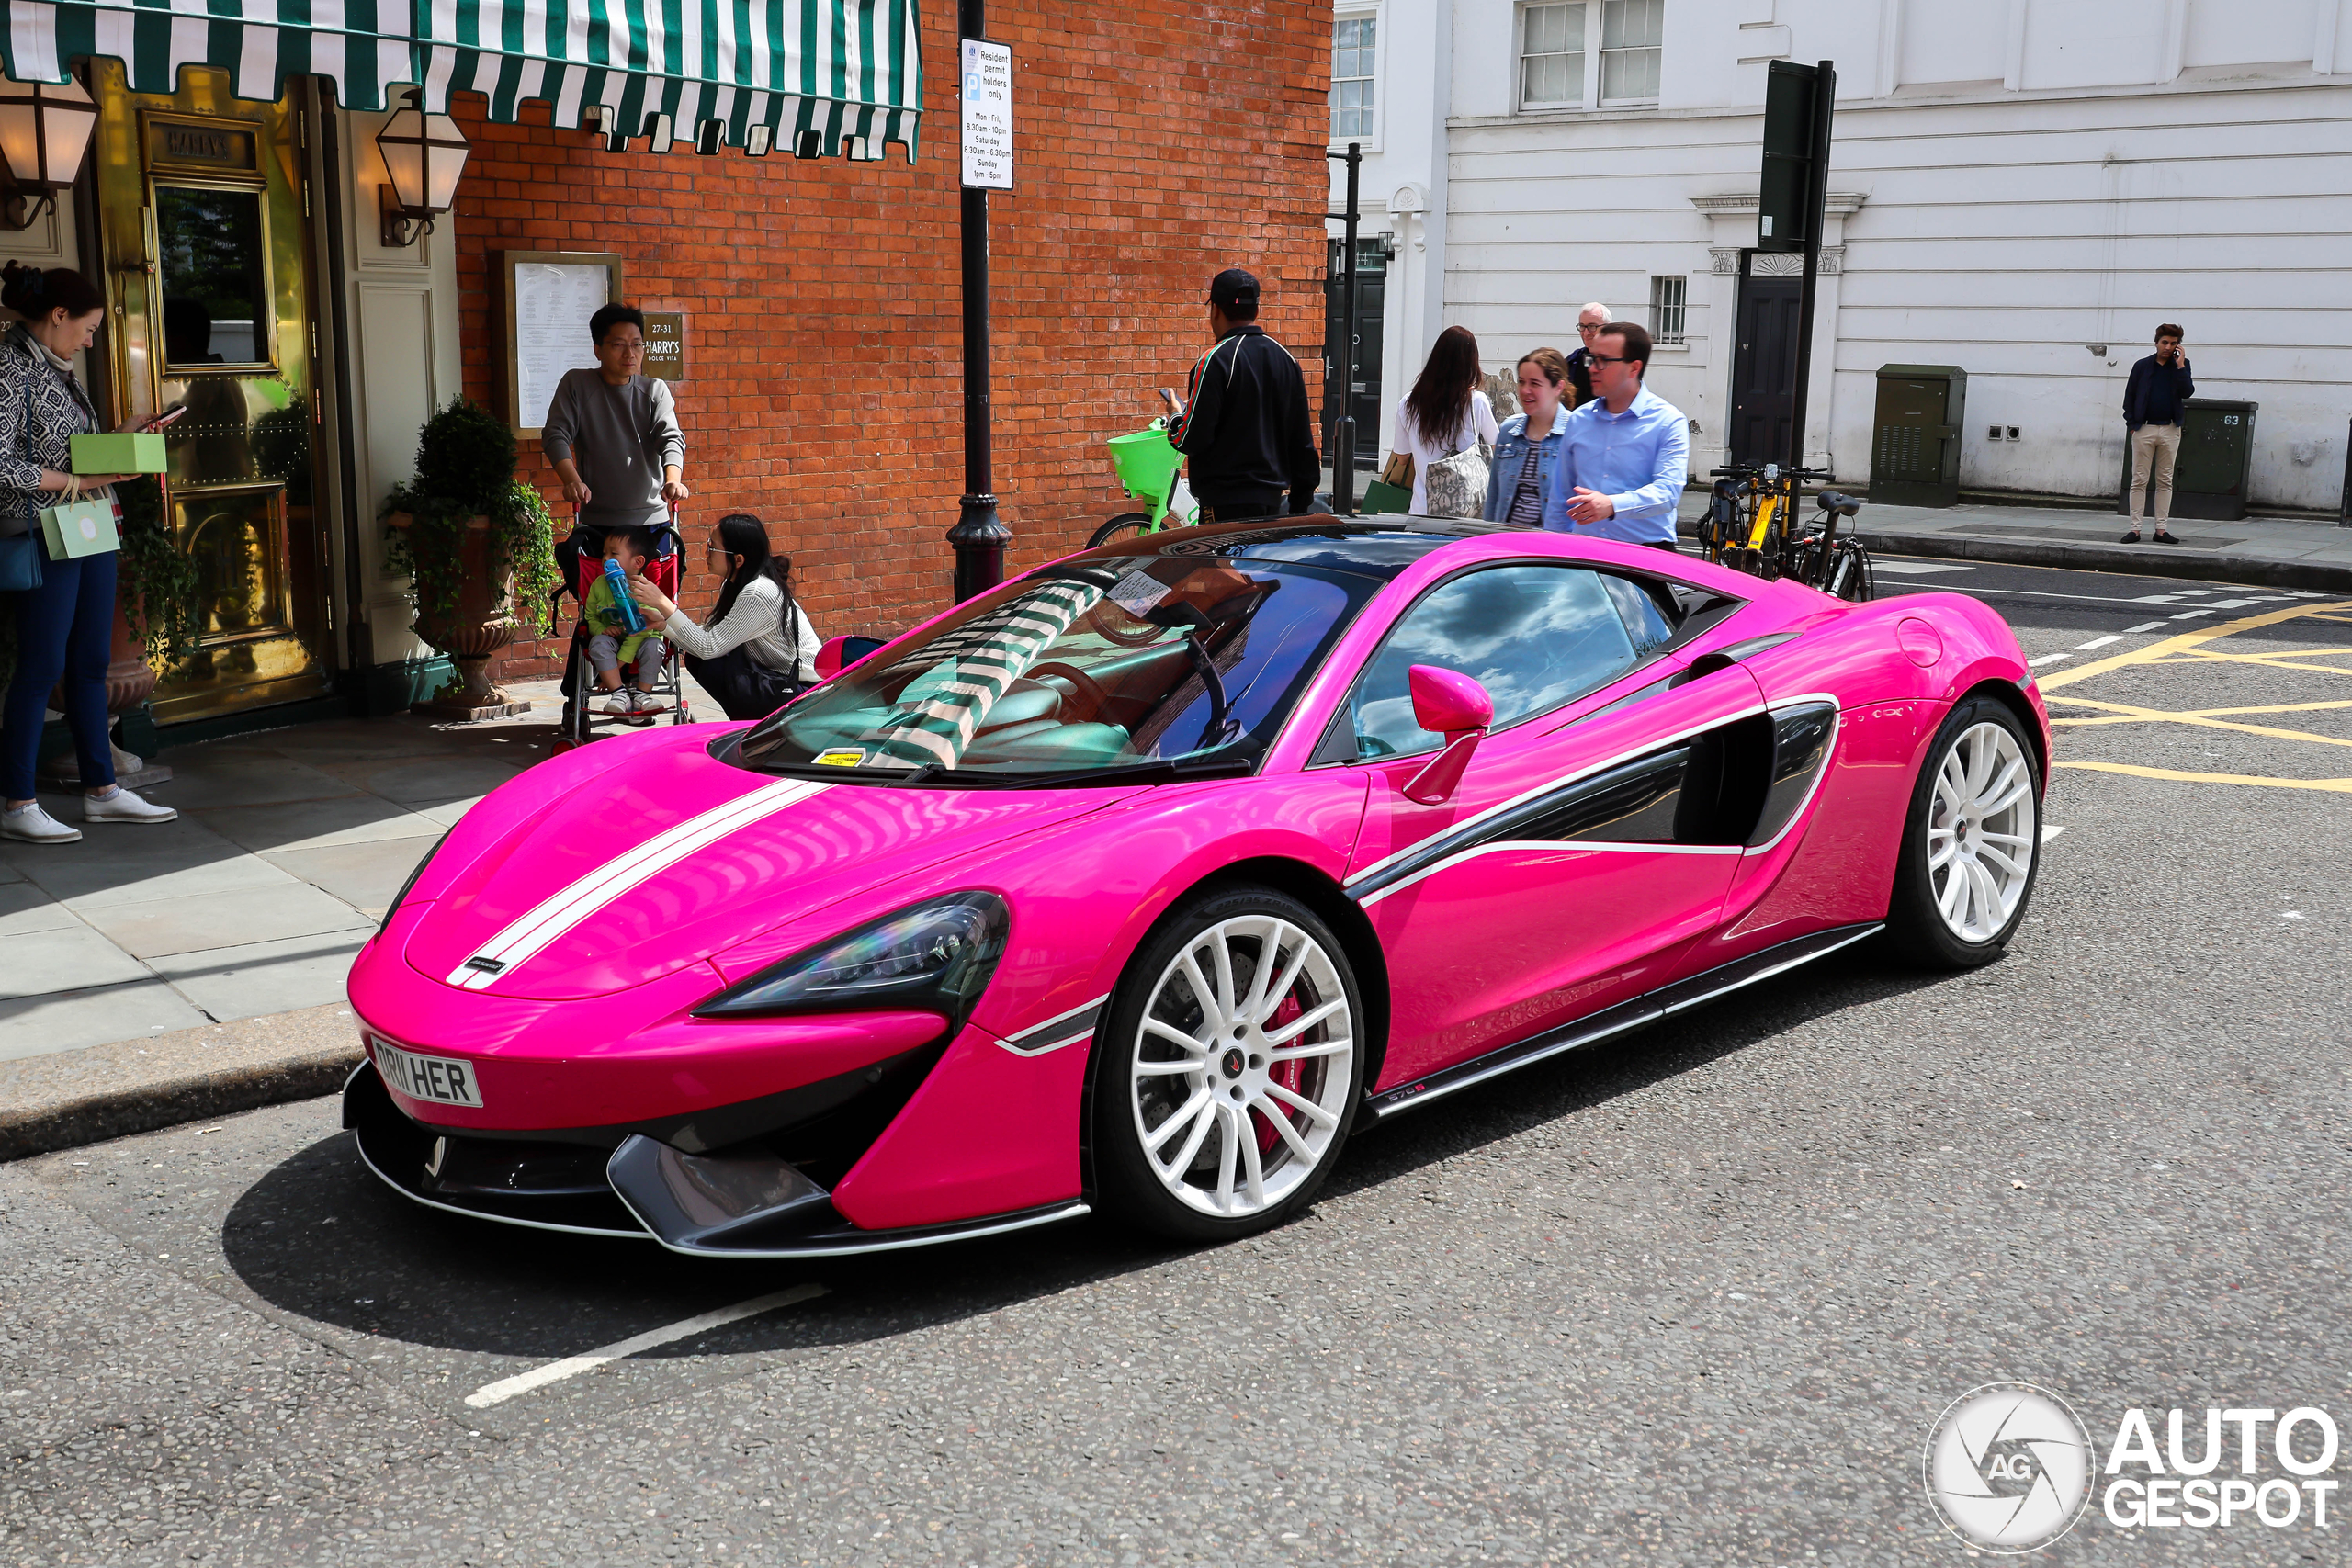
point(2009, 1467)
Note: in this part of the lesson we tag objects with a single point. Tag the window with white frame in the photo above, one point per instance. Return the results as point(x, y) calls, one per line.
point(1551, 56)
point(1354, 54)
point(1632, 35)
point(1668, 297)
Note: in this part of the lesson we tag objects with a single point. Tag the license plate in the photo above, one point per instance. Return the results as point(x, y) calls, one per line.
point(437, 1078)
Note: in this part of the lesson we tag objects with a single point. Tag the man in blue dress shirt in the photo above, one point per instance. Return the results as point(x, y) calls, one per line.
point(1628, 453)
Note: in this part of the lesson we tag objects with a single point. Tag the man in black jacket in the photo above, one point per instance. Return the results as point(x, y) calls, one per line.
point(1246, 433)
point(2154, 399)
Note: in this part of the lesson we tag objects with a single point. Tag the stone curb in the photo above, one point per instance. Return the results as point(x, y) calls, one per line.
point(86, 1095)
point(2211, 566)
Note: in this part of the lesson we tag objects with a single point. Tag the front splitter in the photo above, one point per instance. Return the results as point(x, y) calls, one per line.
point(569, 1201)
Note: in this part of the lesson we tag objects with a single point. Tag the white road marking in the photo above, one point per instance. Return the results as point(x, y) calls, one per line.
point(2097, 642)
point(2240, 603)
point(2149, 626)
point(2191, 615)
point(2049, 659)
point(1917, 568)
point(2049, 831)
point(506, 1388)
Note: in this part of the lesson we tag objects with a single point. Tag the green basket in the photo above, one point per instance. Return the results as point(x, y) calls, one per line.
point(1145, 464)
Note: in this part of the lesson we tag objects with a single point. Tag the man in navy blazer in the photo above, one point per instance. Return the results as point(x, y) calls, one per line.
point(2153, 400)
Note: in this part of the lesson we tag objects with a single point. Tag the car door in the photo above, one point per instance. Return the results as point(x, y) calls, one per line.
point(1578, 855)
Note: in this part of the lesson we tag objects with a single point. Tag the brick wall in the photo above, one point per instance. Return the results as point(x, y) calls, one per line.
point(825, 390)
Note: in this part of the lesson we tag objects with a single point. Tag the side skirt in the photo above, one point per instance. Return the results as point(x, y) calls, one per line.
point(1597, 1027)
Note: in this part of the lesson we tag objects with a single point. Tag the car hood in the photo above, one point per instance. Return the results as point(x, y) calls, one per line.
point(674, 857)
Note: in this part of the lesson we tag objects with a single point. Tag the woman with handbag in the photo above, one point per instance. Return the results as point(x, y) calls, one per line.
point(759, 650)
point(64, 610)
point(1443, 422)
point(1532, 442)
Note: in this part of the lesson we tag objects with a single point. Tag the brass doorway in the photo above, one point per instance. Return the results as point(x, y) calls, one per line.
point(201, 204)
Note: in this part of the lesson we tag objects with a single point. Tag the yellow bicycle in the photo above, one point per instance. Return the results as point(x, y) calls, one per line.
point(1751, 526)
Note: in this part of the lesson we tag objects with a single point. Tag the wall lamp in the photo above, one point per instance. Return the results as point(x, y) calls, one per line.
point(44, 132)
point(423, 154)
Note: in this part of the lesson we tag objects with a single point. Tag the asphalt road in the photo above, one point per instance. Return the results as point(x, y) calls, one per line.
point(1696, 1296)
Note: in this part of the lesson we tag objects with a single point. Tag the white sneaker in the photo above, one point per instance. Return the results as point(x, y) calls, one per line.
point(124, 806)
point(34, 826)
point(623, 701)
point(648, 702)
point(125, 762)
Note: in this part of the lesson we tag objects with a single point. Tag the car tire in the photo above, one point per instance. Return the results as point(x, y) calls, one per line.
point(1220, 1105)
point(1959, 890)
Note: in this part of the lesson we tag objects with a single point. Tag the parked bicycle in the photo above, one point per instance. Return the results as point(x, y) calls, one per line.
point(1751, 526)
point(1151, 470)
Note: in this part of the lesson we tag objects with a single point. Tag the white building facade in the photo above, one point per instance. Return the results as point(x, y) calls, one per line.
point(2023, 189)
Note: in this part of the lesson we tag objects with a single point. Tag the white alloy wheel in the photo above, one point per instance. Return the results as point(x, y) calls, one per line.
point(1241, 1066)
point(1981, 832)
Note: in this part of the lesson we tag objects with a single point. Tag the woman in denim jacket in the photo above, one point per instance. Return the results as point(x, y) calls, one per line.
point(1530, 442)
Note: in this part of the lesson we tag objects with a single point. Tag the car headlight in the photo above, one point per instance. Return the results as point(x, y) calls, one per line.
point(935, 955)
point(410, 885)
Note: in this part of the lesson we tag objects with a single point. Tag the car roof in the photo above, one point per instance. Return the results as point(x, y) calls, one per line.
point(1378, 547)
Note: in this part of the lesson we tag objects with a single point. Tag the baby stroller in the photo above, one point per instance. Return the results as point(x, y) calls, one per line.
point(582, 711)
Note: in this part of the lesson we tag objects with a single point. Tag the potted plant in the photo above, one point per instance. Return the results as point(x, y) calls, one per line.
point(475, 543)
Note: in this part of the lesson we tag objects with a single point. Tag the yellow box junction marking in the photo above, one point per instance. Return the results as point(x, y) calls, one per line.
point(2189, 648)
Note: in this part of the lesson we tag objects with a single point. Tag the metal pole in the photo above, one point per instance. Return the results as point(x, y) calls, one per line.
point(1824, 96)
point(1343, 429)
point(979, 535)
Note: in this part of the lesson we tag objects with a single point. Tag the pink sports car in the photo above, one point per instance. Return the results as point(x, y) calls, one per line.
point(1137, 882)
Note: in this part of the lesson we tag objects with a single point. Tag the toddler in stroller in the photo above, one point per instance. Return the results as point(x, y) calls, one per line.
point(619, 634)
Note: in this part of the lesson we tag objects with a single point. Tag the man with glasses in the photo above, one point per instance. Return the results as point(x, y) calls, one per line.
point(1626, 455)
point(613, 434)
point(1594, 317)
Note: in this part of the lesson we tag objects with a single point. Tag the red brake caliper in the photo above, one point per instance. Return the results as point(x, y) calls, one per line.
point(1287, 1074)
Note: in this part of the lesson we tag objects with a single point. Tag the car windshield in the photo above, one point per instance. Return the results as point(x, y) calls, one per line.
point(1109, 663)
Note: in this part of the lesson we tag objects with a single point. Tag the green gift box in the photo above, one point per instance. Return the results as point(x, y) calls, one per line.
point(122, 452)
point(84, 528)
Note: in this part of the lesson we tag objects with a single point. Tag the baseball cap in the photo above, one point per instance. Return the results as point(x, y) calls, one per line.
point(1233, 287)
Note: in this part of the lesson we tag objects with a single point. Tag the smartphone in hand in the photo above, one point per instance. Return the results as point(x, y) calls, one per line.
point(164, 418)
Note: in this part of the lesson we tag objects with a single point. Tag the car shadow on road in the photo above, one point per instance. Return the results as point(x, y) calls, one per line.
point(321, 1238)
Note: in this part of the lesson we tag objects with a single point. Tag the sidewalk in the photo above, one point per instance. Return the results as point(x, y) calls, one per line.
point(2270, 552)
point(146, 947)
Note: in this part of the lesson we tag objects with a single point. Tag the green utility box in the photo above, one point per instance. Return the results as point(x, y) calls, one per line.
point(1914, 440)
point(119, 452)
point(2209, 478)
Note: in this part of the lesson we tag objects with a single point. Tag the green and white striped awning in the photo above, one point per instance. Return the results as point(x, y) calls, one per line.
point(824, 77)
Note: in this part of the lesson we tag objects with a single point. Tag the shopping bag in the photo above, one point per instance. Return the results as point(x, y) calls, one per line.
point(82, 528)
point(1382, 496)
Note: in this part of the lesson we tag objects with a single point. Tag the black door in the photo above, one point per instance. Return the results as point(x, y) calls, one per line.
point(1372, 280)
point(1764, 365)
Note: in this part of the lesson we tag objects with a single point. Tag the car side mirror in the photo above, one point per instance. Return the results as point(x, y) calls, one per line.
point(1447, 703)
point(837, 654)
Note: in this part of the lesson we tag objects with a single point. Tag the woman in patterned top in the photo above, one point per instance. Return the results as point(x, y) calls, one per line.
point(1530, 442)
point(65, 627)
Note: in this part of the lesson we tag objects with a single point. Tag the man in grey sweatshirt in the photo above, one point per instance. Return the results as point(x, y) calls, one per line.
point(614, 437)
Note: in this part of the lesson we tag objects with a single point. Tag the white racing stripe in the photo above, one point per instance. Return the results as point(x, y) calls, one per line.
point(563, 910)
point(499, 1392)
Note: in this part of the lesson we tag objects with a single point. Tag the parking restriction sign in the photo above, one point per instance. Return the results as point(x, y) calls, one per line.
point(986, 95)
